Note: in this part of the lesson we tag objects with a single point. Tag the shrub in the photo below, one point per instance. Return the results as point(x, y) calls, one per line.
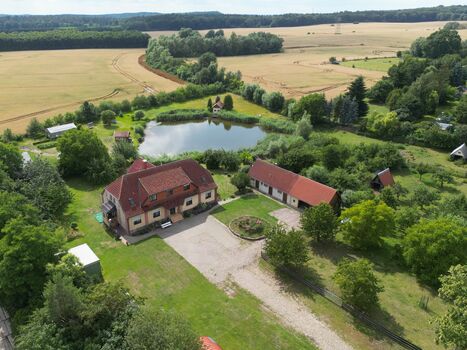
point(240, 180)
point(286, 248)
point(358, 284)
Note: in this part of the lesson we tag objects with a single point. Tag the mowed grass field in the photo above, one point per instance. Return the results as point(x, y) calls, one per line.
point(46, 83)
point(303, 67)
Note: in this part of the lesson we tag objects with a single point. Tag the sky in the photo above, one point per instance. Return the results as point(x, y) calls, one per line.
point(41, 7)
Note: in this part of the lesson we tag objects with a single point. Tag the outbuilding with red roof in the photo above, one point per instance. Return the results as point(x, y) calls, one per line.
point(290, 188)
point(382, 179)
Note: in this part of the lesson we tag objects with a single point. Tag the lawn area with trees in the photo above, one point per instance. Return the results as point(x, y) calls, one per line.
point(156, 272)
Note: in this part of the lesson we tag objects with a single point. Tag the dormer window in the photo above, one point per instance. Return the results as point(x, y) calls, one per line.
point(153, 197)
point(186, 187)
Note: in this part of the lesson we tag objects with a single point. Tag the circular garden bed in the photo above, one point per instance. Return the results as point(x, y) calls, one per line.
point(249, 227)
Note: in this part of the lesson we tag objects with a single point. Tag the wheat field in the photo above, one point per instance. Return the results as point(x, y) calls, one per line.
point(303, 66)
point(44, 83)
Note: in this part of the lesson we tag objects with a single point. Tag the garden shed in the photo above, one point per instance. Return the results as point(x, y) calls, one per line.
point(56, 131)
point(87, 258)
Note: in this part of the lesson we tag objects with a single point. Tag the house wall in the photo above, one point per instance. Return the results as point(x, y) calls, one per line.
point(276, 194)
point(152, 219)
point(207, 200)
point(292, 201)
point(108, 197)
point(195, 200)
point(134, 227)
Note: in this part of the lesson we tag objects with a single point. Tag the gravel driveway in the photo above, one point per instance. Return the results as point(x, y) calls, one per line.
point(219, 255)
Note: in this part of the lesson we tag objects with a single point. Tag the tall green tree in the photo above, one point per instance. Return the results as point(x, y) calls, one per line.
point(35, 129)
point(358, 284)
point(314, 105)
point(25, 251)
point(161, 330)
point(365, 223)
point(433, 245)
point(83, 153)
point(451, 328)
point(320, 222)
point(228, 103)
point(209, 105)
point(11, 160)
point(45, 188)
point(357, 90)
point(286, 248)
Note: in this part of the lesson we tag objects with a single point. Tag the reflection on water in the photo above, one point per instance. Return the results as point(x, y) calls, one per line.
point(174, 138)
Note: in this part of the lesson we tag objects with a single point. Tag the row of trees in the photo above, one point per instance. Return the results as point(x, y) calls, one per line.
point(208, 20)
point(190, 43)
point(344, 109)
point(426, 79)
point(88, 112)
point(218, 20)
point(72, 39)
point(204, 71)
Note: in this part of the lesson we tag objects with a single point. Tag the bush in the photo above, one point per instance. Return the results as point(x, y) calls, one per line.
point(47, 145)
point(358, 284)
point(240, 180)
point(139, 115)
point(286, 248)
point(178, 115)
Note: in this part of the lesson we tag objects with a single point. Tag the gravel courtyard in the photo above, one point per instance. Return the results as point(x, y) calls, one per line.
point(209, 246)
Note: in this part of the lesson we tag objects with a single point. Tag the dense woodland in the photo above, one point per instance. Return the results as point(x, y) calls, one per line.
point(72, 39)
point(190, 43)
point(212, 20)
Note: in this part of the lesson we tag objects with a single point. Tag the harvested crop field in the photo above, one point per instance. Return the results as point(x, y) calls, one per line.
point(303, 67)
point(44, 83)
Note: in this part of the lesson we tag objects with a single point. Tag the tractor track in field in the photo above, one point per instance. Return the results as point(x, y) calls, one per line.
point(115, 92)
point(147, 88)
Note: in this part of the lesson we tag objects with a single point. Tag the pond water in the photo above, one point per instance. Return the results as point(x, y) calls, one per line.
point(175, 138)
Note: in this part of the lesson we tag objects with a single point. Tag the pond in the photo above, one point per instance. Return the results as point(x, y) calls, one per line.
point(175, 138)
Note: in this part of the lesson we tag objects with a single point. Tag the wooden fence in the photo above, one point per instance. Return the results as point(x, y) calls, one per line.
point(360, 315)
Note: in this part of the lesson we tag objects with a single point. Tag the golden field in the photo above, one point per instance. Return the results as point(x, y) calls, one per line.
point(44, 83)
point(303, 66)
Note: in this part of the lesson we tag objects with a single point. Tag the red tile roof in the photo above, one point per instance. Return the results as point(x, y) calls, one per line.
point(138, 165)
point(386, 178)
point(164, 180)
point(131, 194)
point(304, 189)
point(209, 344)
point(218, 104)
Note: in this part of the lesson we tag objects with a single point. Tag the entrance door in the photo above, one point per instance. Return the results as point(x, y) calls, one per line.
point(270, 191)
point(173, 211)
point(257, 184)
point(284, 197)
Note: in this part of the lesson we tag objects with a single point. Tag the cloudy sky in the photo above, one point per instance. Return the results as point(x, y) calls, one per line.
point(232, 6)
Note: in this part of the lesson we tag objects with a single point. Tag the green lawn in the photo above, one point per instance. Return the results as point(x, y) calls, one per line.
point(240, 105)
point(379, 64)
point(399, 302)
point(253, 205)
point(225, 188)
point(156, 272)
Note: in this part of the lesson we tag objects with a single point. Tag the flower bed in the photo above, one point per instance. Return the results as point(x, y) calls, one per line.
point(249, 227)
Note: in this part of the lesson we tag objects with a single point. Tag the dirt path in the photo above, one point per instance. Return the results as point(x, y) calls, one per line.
point(161, 73)
point(209, 246)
